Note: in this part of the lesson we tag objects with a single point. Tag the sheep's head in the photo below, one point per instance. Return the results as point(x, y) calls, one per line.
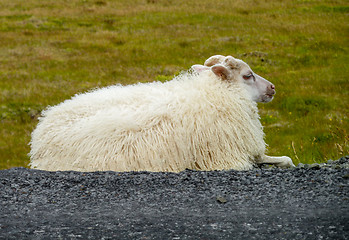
point(235, 70)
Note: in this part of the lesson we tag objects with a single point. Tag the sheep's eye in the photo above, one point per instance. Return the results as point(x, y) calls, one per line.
point(246, 77)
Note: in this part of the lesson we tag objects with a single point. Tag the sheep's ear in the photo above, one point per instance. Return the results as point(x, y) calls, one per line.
point(220, 71)
point(199, 68)
point(231, 62)
point(214, 60)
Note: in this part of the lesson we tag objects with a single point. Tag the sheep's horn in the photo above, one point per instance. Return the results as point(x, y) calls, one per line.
point(231, 62)
point(214, 60)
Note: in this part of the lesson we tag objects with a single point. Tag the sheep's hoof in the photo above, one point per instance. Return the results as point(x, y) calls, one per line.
point(286, 163)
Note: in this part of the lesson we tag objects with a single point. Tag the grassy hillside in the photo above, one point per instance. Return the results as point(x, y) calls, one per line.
point(53, 49)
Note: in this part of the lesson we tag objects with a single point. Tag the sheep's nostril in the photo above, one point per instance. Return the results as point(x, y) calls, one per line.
point(272, 86)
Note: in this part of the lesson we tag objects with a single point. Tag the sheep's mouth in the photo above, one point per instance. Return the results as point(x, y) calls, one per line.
point(267, 98)
point(270, 94)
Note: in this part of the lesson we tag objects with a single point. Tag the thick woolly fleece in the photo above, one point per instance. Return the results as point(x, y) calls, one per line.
point(195, 121)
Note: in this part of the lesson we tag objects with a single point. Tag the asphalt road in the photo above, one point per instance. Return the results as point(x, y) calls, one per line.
point(300, 203)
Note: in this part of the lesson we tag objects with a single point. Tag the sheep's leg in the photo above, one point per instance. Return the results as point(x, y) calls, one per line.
point(283, 161)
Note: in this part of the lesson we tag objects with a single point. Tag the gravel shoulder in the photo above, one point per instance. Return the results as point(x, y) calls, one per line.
point(308, 202)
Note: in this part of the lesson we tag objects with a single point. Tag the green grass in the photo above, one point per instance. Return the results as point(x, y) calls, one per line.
point(51, 50)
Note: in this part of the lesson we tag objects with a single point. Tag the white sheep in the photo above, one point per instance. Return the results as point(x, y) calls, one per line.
point(205, 119)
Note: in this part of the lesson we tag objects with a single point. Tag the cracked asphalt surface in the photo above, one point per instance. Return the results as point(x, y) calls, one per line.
point(299, 203)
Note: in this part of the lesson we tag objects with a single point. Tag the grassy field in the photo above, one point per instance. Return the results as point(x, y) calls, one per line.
point(53, 49)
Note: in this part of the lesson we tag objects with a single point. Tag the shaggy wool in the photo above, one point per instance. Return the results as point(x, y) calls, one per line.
point(195, 121)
